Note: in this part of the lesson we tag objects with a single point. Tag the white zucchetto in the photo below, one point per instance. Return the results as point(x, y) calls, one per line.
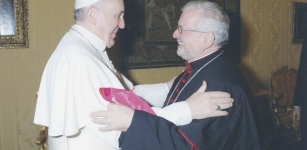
point(83, 3)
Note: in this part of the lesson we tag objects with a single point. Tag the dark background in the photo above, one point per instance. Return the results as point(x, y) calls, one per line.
point(138, 52)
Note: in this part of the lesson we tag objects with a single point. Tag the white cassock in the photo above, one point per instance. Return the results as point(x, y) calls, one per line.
point(69, 92)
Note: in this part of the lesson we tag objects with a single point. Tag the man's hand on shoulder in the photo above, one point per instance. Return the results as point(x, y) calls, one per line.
point(202, 105)
point(205, 104)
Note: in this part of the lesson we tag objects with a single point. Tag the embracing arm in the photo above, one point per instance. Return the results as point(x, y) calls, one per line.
point(162, 134)
point(154, 94)
point(235, 130)
point(119, 117)
point(201, 105)
point(181, 113)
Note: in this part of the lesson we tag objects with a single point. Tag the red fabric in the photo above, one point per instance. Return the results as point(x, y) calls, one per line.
point(193, 145)
point(127, 98)
point(188, 65)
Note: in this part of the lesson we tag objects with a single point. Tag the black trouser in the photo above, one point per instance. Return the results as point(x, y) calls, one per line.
point(303, 125)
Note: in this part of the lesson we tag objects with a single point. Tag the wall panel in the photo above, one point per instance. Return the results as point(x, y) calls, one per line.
point(268, 39)
point(21, 70)
point(8, 102)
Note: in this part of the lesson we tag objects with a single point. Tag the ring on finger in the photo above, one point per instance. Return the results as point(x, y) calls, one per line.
point(218, 107)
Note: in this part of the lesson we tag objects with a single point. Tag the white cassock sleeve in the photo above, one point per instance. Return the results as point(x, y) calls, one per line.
point(155, 95)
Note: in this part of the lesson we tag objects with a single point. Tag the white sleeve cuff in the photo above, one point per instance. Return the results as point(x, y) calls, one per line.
point(166, 87)
point(153, 94)
point(177, 113)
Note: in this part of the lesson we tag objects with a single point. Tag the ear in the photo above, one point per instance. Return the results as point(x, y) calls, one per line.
point(208, 40)
point(91, 15)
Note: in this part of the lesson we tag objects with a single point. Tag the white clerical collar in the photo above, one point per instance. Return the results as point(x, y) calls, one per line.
point(204, 56)
point(96, 41)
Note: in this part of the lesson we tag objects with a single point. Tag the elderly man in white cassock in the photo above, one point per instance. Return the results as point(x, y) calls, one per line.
point(79, 66)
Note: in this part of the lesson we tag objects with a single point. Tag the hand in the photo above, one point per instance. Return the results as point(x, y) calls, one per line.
point(296, 114)
point(203, 104)
point(170, 82)
point(118, 117)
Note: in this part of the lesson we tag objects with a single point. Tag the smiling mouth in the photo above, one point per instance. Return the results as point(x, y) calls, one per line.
point(180, 42)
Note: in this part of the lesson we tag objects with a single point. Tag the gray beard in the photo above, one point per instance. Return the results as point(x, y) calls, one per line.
point(186, 55)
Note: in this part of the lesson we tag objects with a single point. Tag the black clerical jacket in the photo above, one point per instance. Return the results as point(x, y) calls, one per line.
point(236, 131)
point(300, 93)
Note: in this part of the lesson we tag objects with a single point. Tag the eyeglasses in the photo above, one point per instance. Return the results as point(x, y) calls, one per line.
point(181, 29)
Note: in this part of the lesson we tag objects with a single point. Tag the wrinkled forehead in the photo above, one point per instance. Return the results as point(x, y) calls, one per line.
point(115, 6)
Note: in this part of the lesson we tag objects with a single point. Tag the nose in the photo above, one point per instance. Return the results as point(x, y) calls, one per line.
point(176, 34)
point(121, 23)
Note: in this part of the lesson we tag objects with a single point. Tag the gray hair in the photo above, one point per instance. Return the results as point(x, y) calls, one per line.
point(213, 19)
point(80, 14)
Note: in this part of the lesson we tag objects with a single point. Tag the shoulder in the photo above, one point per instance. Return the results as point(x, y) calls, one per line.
point(227, 77)
point(230, 87)
point(223, 70)
point(73, 43)
point(73, 48)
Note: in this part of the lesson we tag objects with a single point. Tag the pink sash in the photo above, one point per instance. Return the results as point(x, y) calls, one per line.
point(127, 98)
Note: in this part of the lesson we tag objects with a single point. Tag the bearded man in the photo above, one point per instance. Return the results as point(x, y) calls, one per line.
point(201, 33)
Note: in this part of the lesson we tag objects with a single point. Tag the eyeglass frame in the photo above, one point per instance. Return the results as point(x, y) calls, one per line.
point(180, 29)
